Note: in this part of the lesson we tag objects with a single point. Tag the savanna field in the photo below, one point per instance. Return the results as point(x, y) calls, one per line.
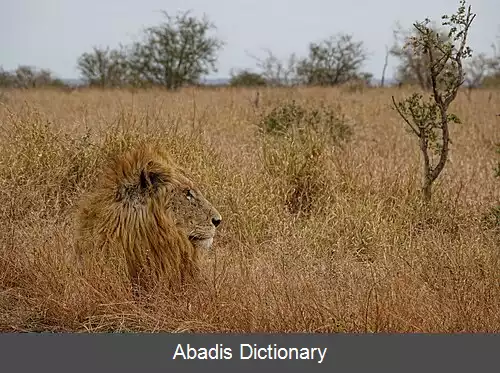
point(316, 236)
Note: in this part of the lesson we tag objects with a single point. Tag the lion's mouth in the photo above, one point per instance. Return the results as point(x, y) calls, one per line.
point(203, 242)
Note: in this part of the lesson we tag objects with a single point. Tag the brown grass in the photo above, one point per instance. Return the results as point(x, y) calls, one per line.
point(366, 258)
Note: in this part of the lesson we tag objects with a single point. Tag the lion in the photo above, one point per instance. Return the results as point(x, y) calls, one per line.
point(147, 212)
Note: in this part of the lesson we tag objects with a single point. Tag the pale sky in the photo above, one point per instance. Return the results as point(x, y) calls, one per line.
point(54, 33)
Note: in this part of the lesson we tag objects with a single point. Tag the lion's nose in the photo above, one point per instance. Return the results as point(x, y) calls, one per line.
point(216, 221)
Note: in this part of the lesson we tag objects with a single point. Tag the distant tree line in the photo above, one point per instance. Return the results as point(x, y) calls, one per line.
point(174, 53)
point(28, 77)
point(182, 50)
point(335, 60)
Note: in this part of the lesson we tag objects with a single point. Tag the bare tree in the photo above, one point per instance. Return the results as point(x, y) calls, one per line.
point(486, 71)
point(482, 66)
point(477, 69)
point(382, 80)
point(275, 71)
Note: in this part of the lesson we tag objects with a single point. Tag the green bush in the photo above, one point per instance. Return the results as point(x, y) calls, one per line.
point(247, 79)
point(296, 140)
point(298, 122)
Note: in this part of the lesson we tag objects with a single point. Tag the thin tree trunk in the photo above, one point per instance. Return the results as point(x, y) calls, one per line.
point(427, 172)
point(382, 80)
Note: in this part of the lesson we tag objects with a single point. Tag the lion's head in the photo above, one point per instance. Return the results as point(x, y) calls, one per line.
point(192, 212)
point(146, 207)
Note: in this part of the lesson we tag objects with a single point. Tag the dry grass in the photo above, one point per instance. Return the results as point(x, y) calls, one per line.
point(366, 258)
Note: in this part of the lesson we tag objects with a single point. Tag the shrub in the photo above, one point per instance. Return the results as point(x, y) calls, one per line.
point(247, 79)
point(293, 120)
point(296, 141)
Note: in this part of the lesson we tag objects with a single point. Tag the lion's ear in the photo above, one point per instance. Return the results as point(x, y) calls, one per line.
point(149, 179)
point(148, 182)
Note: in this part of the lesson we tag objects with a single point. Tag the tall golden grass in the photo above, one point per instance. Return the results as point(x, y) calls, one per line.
point(367, 258)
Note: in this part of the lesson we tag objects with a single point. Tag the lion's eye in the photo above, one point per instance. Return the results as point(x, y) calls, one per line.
point(189, 194)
